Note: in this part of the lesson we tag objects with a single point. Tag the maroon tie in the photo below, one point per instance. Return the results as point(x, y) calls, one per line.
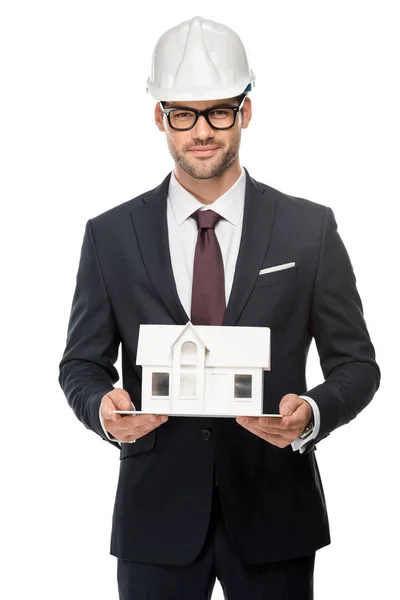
point(208, 290)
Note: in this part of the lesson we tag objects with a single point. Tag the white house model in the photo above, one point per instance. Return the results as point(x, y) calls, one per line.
point(203, 369)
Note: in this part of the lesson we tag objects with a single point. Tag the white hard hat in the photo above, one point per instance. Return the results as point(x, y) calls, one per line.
point(199, 60)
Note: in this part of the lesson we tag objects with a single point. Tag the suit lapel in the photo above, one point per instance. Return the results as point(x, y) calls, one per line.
point(150, 223)
point(258, 220)
point(151, 227)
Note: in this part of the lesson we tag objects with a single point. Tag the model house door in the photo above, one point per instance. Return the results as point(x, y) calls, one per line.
point(217, 400)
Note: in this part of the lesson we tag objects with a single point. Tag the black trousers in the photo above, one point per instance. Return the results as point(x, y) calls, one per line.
point(283, 580)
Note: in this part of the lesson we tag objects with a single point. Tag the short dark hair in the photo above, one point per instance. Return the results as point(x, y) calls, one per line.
point(240, 98)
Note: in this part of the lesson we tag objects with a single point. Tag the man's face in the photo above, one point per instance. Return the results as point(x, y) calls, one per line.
point(187, 148)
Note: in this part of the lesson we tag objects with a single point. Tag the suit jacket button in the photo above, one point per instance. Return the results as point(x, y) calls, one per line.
point(206, 434)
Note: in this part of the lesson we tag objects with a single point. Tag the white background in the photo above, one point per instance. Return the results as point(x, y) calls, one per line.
point(78, 137)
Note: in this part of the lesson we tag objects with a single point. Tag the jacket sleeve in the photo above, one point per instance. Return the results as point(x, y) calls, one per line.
point(337, 323)
point(87, 369)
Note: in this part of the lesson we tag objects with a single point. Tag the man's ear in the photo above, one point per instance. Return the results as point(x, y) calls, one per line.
point(246, 113)
point(158, 117)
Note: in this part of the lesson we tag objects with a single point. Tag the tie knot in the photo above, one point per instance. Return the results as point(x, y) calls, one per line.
point(206, 219)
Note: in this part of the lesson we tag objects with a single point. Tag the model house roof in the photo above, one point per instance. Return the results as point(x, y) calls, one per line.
point(228, 346)
point(195, 331)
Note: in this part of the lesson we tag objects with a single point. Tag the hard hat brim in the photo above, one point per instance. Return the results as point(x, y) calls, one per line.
point(198, 94)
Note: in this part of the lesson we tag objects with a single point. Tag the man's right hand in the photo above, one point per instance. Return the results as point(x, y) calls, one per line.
point(126, 428)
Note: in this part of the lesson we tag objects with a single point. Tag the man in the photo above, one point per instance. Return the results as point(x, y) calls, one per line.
point(201, 498)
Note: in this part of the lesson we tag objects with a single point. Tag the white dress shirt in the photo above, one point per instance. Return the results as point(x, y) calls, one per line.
point(182, 234)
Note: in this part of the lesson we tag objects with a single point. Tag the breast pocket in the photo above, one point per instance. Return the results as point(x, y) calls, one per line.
point(277, 277)
point(143, 444)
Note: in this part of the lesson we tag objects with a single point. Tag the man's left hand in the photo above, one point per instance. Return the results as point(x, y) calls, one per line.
point(296, 414)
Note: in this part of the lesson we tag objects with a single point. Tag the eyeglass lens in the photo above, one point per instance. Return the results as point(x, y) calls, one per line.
point(219, 117)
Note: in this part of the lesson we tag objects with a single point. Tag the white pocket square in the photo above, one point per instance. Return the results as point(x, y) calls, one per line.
point(277, 268)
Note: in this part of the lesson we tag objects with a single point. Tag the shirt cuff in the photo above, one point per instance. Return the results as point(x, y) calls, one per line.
point(108, 435)
point(301, 444)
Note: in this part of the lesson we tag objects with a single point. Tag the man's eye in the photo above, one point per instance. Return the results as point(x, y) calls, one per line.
point(219, 113)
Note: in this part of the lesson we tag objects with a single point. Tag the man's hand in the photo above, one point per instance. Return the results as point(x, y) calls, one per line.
point(281, 432)
point(126, 428)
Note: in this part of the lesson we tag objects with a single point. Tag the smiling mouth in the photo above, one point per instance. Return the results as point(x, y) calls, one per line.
point(203, 150)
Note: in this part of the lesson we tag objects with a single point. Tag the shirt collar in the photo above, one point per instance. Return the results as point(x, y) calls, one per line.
point(230, 205)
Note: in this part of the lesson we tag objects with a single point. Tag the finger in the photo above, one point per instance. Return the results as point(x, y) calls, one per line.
point(151, 423)
point(120, 398)
point(289, 404)
point(140, 425)
point(279, 424)
point(141, 420)
point(128, 422)
point(107, 409)
point(117, 399)
point(144, 429)
point(276, 437)
point(293, 422)
point(286, 434)
point(139, 432)
point(275, 422)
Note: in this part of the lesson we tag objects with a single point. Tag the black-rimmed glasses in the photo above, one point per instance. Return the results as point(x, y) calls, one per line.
point(218, 117)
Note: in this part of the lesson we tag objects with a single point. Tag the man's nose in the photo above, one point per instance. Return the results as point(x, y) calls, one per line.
point(202, 129)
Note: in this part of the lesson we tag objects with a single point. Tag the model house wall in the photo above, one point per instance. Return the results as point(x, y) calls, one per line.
point(196, 369)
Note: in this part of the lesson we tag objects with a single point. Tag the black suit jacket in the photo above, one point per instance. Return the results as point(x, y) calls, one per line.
point(272, 498)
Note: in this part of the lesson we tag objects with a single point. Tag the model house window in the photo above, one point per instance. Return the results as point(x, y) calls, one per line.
point(189, 354)
point(160, 384)
point(188, 384)
point(188, 374)
point(242, 386)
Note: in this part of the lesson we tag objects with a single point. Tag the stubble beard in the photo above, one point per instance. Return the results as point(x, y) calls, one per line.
point(207, 167)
